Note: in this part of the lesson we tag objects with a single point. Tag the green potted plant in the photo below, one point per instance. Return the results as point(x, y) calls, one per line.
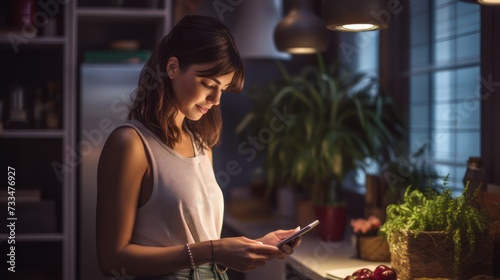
point(388, 187)
point(437, 235)
point(335, 123)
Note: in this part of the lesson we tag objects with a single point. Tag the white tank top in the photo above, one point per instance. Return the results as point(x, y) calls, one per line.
point(186, 203)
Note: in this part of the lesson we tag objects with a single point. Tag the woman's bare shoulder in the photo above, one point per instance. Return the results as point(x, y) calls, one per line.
point(124, 136)
point(124, 142)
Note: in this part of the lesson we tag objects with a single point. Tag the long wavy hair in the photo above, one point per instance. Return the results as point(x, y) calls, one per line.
point(194, 39)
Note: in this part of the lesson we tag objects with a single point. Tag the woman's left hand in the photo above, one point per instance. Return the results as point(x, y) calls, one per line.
point(276, 236)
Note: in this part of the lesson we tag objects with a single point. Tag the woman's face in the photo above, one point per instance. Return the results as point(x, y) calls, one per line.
point(196, 95)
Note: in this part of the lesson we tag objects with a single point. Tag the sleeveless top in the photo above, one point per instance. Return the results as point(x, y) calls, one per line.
point(186, 203)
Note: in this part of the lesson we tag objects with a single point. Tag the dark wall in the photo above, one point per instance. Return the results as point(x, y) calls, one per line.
point(490, 107)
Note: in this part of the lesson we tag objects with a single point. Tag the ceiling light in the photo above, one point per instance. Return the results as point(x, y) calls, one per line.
point(301, 31)
point(357, 27)
point(355, 15)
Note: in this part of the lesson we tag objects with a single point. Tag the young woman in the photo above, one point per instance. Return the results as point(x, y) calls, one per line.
point(159, 208)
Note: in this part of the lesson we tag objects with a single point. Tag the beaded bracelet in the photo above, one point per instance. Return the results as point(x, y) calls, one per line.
point(191, 260)
point(213, 260)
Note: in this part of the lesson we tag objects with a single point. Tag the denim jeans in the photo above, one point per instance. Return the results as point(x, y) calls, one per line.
point(203, 272)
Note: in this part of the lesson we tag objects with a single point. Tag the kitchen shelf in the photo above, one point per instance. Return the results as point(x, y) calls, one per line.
point(33, 44)
point(32, 133)
point(37, 41)
point(119, 14)
point(45, 247)
point(34, 237)
point(46, 158)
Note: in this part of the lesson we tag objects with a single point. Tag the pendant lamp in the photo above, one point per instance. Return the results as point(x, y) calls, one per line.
point(301, 31)
point(252, 26)
point(355, 15)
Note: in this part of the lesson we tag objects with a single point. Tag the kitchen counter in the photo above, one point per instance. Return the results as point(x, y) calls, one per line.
point(311, 260)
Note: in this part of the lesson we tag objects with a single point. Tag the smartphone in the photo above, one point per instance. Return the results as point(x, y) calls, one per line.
point(298, 233)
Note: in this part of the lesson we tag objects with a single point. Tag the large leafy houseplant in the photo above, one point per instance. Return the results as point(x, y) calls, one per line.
point(335, 122)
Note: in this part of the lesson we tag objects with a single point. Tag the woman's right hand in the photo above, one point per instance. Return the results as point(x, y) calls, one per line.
point(243, 254)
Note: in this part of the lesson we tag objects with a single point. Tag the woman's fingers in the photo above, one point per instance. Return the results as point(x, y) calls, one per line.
point(296, 242)
point(287, 249)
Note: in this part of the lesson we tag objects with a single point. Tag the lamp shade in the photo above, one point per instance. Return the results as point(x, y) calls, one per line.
point(301, 31)
point(252, 26)
point(355, 15)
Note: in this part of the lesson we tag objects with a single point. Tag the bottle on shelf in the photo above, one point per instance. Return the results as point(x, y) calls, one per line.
point(474, 177)
point(18, 116)
point(52, 106)
point(38, 108)
point(24, 12)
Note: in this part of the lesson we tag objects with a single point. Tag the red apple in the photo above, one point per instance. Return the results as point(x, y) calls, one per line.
point(363, 273)
point(348, 277)
point(383, 272)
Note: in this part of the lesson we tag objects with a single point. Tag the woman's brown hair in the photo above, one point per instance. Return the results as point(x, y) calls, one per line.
point(193, 40)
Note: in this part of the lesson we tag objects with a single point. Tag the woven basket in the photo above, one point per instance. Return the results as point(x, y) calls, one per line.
point(373, 248)
point(431, 255)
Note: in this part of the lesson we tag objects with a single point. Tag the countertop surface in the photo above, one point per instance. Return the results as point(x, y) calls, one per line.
point(314, 257)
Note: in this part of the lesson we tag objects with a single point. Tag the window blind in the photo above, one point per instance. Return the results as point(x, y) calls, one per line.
point(444, 84)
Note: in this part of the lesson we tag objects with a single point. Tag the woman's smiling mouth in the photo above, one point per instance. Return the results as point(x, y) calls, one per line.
point(203, 110)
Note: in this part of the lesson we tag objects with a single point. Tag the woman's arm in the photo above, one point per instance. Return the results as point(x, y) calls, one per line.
point(121, 170)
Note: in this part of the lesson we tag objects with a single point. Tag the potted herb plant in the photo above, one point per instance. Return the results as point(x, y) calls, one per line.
point(336, 122)
point(434, 234)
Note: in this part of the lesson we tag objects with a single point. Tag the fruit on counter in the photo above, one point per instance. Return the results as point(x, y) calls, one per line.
point(381, 272)
point(363, 273)
point(384, 272)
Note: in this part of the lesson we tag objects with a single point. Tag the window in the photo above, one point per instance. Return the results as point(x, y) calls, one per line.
point(359, 52)
point(444, 84)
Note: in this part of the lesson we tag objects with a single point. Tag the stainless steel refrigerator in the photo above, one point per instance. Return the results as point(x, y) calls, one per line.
point(105, 91)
